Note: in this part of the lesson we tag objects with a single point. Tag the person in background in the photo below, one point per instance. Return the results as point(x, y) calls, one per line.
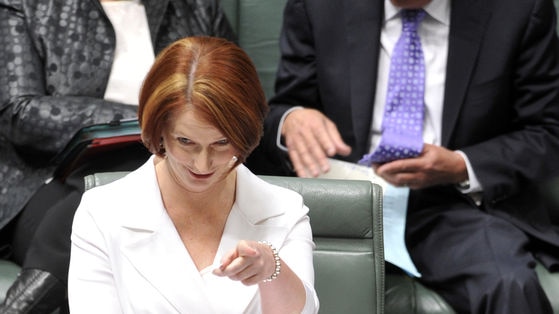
point(487, 85)
point(70, 64)
point(193, 228)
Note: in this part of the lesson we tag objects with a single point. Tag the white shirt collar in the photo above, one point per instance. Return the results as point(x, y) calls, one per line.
point(437, 9)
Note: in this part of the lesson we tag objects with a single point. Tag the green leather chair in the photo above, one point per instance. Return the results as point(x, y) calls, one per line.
point(346, 220)
point(8, 273)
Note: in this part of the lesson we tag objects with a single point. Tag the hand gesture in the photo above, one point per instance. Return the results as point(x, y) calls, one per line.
point(250, 262)
point(311, 138)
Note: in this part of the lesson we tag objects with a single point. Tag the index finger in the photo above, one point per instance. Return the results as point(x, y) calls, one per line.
point(227, 259)
point(332, 140)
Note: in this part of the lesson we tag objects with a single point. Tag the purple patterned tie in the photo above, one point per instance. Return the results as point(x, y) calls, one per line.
point(402, 124)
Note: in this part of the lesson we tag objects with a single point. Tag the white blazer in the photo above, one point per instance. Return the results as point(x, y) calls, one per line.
point(127, 256)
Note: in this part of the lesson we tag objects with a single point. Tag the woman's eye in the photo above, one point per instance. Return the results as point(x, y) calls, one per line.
point(222, 142)
point(184, 140)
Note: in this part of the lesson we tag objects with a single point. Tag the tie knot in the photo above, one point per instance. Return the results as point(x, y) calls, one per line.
point(412, 18)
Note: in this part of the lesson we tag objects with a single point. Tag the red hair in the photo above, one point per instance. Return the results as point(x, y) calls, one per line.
point(211, 75)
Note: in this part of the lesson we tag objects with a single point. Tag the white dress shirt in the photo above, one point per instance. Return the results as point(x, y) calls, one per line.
point(433, 32)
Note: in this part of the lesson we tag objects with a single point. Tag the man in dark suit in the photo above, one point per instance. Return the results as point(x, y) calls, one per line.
point(475, 227)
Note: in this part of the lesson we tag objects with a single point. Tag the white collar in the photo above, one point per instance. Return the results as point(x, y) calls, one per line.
point(252, 195)
point(437, 9)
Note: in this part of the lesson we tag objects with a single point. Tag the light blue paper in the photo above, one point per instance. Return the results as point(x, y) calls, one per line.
point(395, 200)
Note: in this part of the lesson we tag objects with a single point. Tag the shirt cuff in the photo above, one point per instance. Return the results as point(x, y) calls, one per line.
point(475, 186)
point(280, 126)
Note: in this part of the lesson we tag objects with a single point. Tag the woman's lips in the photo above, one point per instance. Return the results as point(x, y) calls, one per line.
point(200, 176)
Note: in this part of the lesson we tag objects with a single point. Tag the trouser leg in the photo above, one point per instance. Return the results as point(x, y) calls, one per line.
point(477, 262)
point(50, 248)
point(41, 285)
point(32, 215)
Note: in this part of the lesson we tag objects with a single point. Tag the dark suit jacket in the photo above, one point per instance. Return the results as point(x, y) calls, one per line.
point(57, 57)
point(501, 104)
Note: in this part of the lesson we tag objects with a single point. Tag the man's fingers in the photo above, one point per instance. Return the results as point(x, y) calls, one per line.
point(296, 162)
point(304, 160)
point(334, 137)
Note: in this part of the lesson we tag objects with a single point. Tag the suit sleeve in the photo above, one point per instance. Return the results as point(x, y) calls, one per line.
point(527, 154)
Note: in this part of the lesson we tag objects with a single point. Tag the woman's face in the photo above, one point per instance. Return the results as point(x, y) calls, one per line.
point(198, 155)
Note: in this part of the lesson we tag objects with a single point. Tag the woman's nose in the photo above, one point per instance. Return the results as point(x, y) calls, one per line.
point(202, 161)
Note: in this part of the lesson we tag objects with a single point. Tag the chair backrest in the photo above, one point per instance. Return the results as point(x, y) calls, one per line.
point(258, 24)
point(346, 220)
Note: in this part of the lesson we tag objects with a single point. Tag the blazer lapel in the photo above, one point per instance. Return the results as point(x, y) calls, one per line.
point(159, 256)
point(151, 244)
point(251, 201)
point(467, 27)
point(363, 47)
point(249, 220)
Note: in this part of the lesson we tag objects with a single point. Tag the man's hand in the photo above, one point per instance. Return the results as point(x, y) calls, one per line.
point(435, 165)
point(311, 138)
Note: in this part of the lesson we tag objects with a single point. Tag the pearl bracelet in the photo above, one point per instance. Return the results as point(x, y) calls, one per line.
point(276, 260)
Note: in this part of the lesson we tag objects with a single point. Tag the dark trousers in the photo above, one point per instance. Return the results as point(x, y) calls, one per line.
point(41, 233)
point(477, 262)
